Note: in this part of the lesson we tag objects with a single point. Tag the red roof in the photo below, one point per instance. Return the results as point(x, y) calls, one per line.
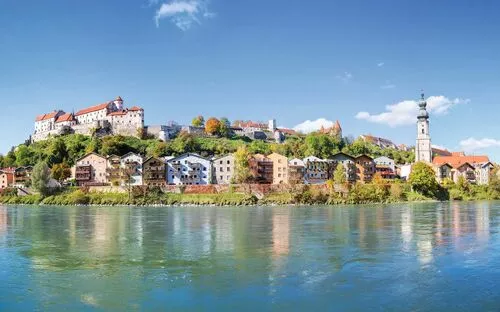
point(65, 117)
point(8, 170)
point(135, 109)
point(92, 109)
point(287, 131)
point(250, 124)
point(47, 116)
point(457, 160)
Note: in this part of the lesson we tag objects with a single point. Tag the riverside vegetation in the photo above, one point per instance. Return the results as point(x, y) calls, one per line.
point(422, 186)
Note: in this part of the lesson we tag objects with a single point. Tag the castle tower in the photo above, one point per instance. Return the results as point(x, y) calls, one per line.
point(272, 125)
point(118, 103)
point(337, 129)
point(423, 150)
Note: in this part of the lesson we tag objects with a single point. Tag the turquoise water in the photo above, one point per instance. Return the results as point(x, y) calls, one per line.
point(411, 257)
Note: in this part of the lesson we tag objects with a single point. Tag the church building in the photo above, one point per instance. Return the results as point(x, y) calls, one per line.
point(423, 150)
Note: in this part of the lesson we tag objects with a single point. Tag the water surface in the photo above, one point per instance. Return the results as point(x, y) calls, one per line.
point(410, 257)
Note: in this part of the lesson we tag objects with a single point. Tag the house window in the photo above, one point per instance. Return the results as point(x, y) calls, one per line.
point(228, 169)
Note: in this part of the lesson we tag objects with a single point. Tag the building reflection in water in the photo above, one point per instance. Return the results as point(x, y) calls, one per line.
point(483, 223)
point(281, 234)
point(407, 228)
point(3, 220)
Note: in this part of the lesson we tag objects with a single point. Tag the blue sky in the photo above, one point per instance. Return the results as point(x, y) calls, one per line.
point(261, 59)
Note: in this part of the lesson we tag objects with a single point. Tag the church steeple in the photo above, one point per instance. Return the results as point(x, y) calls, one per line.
point(423, 149)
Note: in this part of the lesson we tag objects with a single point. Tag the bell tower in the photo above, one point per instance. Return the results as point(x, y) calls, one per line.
point(423, 150)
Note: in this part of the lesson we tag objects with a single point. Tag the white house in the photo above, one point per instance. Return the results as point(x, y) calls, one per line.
point(189, 169)
point(133, 162)
point(387, 162)
point(315, 170)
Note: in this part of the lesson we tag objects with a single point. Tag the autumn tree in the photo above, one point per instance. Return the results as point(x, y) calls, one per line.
point(212, 126)
point(198, 121)
point(61, 172)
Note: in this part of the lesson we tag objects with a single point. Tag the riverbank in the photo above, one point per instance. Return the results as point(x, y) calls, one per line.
point(79, 198)
point(247, 195)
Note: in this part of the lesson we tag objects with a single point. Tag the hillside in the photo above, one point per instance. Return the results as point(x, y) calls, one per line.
point(68, 148)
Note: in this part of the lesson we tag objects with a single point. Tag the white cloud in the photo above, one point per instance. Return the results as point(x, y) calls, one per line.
point(309, 126)
point(405, 112)
point(345, 77)
point(439, 147)
point(380, 64)
point(183, 13)
point(472, 144)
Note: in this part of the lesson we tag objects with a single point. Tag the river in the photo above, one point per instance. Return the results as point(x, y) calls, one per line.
point(405, 257)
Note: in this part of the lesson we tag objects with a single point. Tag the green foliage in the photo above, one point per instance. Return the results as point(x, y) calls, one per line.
point(40, 178)
point(198, 121)
point(61, 172)
point(322, 145)
point(339, 176)
point(241, 165)
point(423, 180)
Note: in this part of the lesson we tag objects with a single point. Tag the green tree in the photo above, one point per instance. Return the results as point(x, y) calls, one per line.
point(241, 165)
point(40, 178)
point(339, 175)
point(225, 127)
point(184, 143)
point(57, 152)
point(423, 180)
point(61, 172)
point(24, 156)
point(198, 121)
point(321, 145)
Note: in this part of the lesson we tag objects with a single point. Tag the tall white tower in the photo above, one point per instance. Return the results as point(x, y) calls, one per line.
point(423, 150)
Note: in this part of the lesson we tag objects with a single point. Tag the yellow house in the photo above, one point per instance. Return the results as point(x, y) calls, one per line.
point(280, 168)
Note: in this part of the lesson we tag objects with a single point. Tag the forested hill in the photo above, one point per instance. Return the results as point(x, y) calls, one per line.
point(66, 149)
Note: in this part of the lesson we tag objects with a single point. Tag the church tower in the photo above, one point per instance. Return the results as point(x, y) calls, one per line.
point(423, 150)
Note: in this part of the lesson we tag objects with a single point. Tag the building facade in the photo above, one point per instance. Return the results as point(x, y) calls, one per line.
point(22, 176)
point(423, 149)
point(365, 168)
point(132, 169)
point(223, 169)
point(296, 171)
point(261, 169)
point(443, 172)
point(316, 170)
point(91, 170)
point(154, 172)
point(6, 178)
point(189, 169)
point(280, 168)
point(386, 167)
point(349, 164)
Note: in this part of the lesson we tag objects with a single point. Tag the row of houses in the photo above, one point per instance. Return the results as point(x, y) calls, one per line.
point(193, 169)
point(15, 177)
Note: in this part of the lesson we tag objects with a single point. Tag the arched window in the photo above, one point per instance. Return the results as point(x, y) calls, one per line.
point(422, 130)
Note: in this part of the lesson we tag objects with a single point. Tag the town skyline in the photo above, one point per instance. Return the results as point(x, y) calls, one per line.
point(215, 58)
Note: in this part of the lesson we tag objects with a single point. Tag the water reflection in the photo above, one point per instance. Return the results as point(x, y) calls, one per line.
point(104, 254)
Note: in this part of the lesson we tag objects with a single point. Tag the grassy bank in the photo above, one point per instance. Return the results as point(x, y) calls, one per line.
point(298, 195)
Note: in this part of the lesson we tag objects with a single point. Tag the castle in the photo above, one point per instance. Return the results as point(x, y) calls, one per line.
point(107, 118)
